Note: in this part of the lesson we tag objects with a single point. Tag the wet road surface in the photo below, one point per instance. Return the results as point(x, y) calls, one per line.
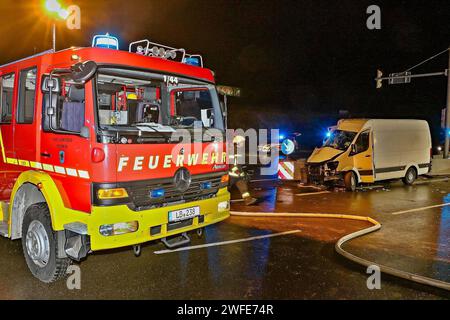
point(300, 265)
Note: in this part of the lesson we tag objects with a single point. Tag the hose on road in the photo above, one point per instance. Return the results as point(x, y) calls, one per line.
point(338, 247)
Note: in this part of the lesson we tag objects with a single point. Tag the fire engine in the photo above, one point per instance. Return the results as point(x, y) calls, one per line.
point(90, 159)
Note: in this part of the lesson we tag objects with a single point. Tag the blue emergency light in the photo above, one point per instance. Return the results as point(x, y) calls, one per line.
point(206, 185)
point(193, 61)
point(157, 193)
point(105, 41)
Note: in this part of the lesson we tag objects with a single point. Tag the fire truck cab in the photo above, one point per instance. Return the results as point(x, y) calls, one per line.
point(90, 155)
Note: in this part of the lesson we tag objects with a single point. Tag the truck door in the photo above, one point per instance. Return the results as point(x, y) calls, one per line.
point(8, 172)
point(363, 156)
point(25, 129)
point(63, 152)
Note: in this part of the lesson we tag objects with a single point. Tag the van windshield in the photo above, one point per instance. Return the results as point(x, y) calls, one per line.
point(340, 140)
point(138, 99)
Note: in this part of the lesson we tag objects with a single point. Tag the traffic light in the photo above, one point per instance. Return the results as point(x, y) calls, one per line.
point(379, 80)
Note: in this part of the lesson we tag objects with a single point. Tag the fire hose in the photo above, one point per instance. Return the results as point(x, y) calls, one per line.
point(338, 246)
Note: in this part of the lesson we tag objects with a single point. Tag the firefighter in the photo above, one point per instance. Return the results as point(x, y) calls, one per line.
point(238, 176)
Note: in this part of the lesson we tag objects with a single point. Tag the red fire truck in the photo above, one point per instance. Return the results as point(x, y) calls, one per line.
point(89, 159)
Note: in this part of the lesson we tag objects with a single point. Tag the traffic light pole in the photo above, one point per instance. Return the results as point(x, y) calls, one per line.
point(405, 76)
point(447, 113)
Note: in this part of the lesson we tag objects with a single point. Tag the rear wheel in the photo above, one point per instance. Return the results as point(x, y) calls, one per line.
point(39, 245)
point(350, 181)
point(410, 177)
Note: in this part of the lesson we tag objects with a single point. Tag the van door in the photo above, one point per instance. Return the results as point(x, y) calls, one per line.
point(363, 156)
point(8, 172)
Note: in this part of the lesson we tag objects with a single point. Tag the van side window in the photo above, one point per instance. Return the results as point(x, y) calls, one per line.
point(7, 92)
point(363, 142)
point(27, 96)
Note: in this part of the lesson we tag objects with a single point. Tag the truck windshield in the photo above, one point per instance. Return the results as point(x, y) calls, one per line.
point(340, 140)
point(138, 99)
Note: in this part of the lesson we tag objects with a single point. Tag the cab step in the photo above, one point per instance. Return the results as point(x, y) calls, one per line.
point(4, 229)
point(4, 216)
point(4, 209)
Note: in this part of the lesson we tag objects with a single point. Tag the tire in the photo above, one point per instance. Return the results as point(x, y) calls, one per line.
point(39, 245)
point(350, 181)
point(410, 177)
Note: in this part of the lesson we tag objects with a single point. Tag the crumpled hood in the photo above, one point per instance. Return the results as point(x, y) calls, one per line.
point(320, 155)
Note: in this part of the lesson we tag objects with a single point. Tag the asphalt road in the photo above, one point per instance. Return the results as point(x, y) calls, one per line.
point(271, 258)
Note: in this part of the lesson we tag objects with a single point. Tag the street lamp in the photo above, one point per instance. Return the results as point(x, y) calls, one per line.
point(57, 12)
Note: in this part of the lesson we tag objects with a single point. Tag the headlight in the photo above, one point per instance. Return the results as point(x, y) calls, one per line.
point(223, 206)
point(116, 229)
point(332, 165)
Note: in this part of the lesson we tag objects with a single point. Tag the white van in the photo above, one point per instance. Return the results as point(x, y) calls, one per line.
point(364, 151)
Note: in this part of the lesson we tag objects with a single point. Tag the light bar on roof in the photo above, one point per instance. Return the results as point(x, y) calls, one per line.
point(105, 41)
point(153, 49)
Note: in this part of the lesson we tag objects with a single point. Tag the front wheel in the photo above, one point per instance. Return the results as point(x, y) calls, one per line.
point(410, 177)
point(350, 181)
point(39, 245)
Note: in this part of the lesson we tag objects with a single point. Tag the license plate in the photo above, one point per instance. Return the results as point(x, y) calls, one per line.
point(184, 214)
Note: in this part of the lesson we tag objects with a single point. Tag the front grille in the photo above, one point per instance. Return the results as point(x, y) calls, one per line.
point(315, 170)
point(139, 191)
point(315, 174)
point(179, 225)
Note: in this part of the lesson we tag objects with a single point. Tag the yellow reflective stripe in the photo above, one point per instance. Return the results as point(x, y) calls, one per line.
point(60, 170)
point(72, 172)
point(3, 147)
point(36, 165)
point(11, 161)
point(83, 174)
point(48, 167)
point(24, 163)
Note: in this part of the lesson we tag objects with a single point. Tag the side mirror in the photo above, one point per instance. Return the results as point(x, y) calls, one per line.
point(353, 149)
point(85, 133)
point(83, 72)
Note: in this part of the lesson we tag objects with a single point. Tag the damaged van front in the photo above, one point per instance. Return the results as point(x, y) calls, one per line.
point(332, 163)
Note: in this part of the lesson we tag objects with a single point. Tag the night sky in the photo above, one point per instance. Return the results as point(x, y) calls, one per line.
point(298, 62)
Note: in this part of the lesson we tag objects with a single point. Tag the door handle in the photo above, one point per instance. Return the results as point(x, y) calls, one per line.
point(368, 156)
point(46, 155)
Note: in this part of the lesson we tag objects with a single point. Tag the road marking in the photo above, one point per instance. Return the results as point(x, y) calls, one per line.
point(421, 209)
point(311, 193)
point(224, 243)
point(264, 180)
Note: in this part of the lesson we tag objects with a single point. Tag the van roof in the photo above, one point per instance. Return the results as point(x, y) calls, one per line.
point(352, 125)
point(356, 125)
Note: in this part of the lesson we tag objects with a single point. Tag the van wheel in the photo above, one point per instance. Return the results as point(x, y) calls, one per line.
point(350, 181)
point(410, 177)
point(39, 245)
